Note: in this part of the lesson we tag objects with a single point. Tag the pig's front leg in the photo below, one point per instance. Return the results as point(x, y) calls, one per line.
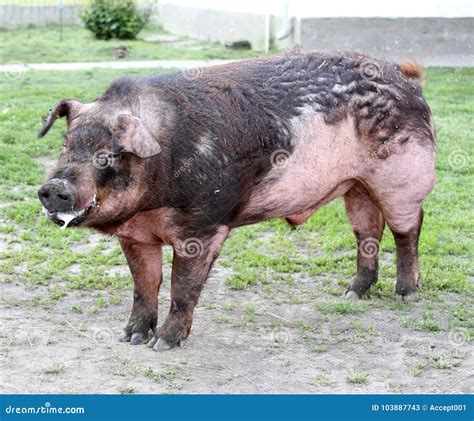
point(192, 261)
point(145, 262)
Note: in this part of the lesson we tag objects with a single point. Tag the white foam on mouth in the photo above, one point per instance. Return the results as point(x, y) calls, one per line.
point(67, 217)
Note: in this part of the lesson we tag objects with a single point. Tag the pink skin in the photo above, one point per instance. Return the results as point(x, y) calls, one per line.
point(377, 187)
point(326, 165)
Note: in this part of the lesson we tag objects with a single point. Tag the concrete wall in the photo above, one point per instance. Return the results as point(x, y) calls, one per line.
point(213, 25)
point(12, 16)
point(431, 41)
point(338, 8)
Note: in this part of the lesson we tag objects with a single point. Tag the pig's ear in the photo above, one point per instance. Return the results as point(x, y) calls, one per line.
point(66, 107)
point(132, 136)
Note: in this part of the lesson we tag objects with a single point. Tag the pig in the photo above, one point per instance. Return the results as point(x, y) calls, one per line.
point(182, 158)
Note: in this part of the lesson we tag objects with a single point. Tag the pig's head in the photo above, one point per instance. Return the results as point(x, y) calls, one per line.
point(99, 176)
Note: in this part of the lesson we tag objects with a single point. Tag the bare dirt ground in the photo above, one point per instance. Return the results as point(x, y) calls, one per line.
point(241, 342)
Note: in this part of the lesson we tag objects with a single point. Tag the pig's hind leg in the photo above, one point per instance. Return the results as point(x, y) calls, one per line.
point(145, 262)
point(367, 224)
point(400, 185)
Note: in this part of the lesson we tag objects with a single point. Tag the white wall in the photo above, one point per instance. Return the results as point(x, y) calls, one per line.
point(340, 8)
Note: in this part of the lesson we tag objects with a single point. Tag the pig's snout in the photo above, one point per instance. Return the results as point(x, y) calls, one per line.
point(57, 195)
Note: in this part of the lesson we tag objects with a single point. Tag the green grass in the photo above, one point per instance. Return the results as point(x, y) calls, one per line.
point(427, 322)
point(169, 374)
point(38, 45)
point(341, 307)
point(357, 377)
point(55, 368)
point(322, 381)
point(267, 257)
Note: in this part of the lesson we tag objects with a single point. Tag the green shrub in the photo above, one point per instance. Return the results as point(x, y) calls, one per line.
point(114, 19)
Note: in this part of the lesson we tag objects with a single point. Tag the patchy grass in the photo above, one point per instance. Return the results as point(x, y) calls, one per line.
point(127, 391)
point(321, 381)
point(54, 369)
point(169, 374)
point(427, 322)
point(267, 258)
point(357, 377)
point(38, 45)
point(430, 359)
point(341, 307)
point(122, 367)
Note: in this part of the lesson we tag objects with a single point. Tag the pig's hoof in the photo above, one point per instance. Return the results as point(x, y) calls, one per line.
point(134, 338)
point(361, 283)
point(352, 295)
point(124, 337)
point(409, 298)
point(161, 345)
point(151, 342)
point(407, 292)
point(138, 329)
point(137, 338)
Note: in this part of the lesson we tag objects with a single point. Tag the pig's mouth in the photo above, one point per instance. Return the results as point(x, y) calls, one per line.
point(73, 217)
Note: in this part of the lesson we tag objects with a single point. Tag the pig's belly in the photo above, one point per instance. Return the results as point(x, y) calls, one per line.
point(324, 165)
point(292, 202)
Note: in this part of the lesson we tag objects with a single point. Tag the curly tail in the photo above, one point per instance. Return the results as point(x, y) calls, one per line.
point(412, 70)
